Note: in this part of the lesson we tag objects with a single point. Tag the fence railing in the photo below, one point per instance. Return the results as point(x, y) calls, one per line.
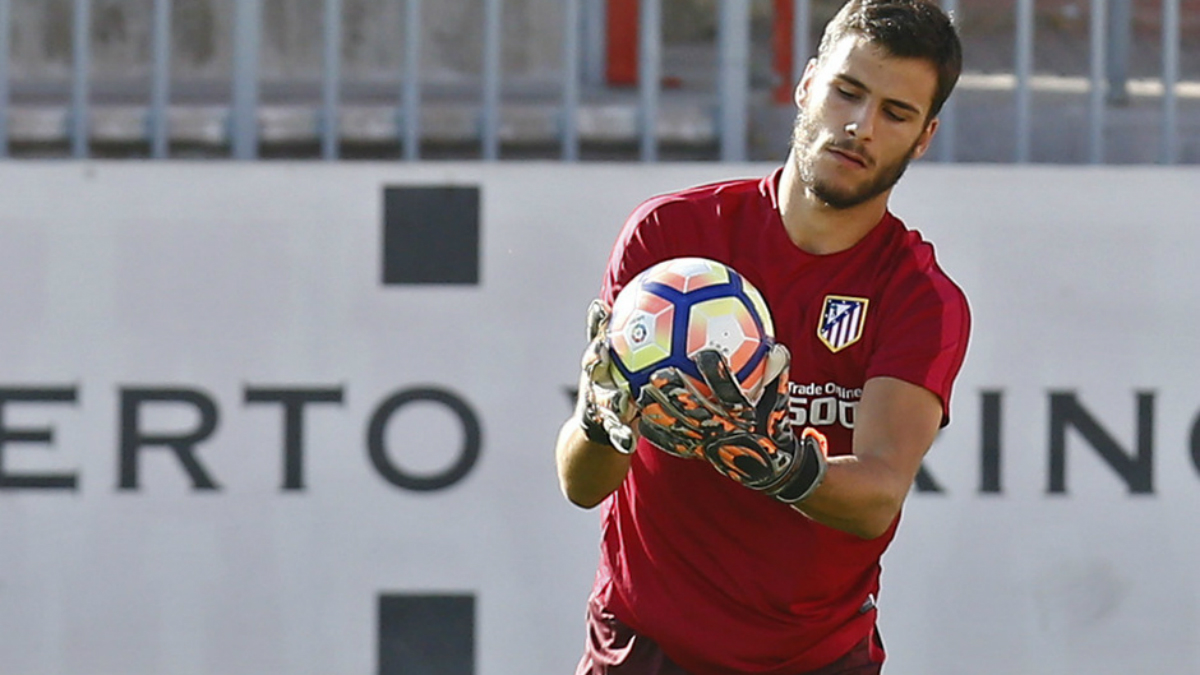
point(733, 97)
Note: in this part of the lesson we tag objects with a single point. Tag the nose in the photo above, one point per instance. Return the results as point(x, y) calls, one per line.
point(860, 128)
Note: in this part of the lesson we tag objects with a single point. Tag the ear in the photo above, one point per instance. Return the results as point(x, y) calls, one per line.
point(801, 93)
point(925, 139)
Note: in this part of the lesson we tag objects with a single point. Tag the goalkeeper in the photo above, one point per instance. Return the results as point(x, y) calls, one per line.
point(745, 536)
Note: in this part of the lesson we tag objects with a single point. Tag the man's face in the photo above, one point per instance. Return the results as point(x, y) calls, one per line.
point(862, 119)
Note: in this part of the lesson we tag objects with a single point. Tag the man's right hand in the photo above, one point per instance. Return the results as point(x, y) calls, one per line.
point(605, 410)
point(750, 443)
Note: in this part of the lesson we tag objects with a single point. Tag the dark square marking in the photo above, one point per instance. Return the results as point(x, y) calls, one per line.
point(431, 235)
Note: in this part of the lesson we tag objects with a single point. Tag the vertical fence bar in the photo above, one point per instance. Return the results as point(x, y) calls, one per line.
point(160, 80)
point(1099, 13)
point(1170, 77)
point(1120, 36)
point(493, 12)
point(595, 38)
point(247, 28)
point(331, 79)
point(801, 48)
point(1024, 73)
point(570, 85)
point(411, 105)
point(649, 75)
point(733, 88)
point(5, 99)
point(81, 62)
point(947, 132)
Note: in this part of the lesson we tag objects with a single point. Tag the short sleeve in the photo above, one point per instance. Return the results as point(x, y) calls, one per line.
point(925, 339)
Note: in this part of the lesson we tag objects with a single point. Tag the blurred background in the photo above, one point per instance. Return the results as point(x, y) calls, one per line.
point(1055, 81)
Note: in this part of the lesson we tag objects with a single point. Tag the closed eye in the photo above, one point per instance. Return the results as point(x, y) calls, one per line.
point(901, 111)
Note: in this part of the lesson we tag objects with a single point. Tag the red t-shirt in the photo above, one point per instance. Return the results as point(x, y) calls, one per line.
point(725, 579)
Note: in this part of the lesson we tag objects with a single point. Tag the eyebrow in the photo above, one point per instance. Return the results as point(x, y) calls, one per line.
point(904, 105)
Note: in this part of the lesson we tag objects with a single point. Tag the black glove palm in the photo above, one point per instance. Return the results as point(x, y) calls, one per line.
point(751, 444)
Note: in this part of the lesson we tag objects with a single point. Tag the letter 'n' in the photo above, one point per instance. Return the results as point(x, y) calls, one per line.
point(1134, 468)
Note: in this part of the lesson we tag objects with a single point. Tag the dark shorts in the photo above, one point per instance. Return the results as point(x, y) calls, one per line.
point(613, 648)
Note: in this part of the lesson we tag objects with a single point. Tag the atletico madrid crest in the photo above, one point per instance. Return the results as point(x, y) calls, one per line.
point(842, 321)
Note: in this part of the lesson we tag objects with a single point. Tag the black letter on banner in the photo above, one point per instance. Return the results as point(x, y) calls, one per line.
point(1196, 443)
point(472, 440)
point(45, 436)
point(990, 442)
point(1066, 412)
point(293, 401)
point(925, 481)
point(183, 444)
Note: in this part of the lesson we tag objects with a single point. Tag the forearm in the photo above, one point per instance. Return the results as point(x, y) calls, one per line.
point(859, 495)
point(587, 472)
point(862, 492)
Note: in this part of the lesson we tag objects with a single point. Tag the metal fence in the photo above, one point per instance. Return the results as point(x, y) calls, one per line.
point(732, 102)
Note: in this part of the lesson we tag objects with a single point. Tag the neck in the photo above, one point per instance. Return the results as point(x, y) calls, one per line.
point(818, 228)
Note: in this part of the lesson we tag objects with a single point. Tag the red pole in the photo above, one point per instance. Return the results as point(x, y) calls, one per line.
point(781, 43)
point(622, 29)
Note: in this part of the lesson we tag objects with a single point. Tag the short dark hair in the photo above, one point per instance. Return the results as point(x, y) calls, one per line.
point(917, 29)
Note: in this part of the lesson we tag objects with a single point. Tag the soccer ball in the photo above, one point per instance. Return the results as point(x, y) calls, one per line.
point(676, 308)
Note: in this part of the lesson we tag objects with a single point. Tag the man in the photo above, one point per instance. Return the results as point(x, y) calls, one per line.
point(772, 566)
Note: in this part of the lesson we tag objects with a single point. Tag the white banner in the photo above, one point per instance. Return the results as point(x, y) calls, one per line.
point(223, 438)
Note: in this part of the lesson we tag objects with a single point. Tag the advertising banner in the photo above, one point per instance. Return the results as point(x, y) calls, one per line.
point(299, 418)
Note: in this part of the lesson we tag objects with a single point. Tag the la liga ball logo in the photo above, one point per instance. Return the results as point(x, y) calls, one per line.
point(672, 310)
point(638, 333)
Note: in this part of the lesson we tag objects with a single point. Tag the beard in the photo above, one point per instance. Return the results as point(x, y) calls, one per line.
point(806, 148)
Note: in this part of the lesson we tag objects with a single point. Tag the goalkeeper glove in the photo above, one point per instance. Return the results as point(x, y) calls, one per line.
point(604, 409)
point(751, 444)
